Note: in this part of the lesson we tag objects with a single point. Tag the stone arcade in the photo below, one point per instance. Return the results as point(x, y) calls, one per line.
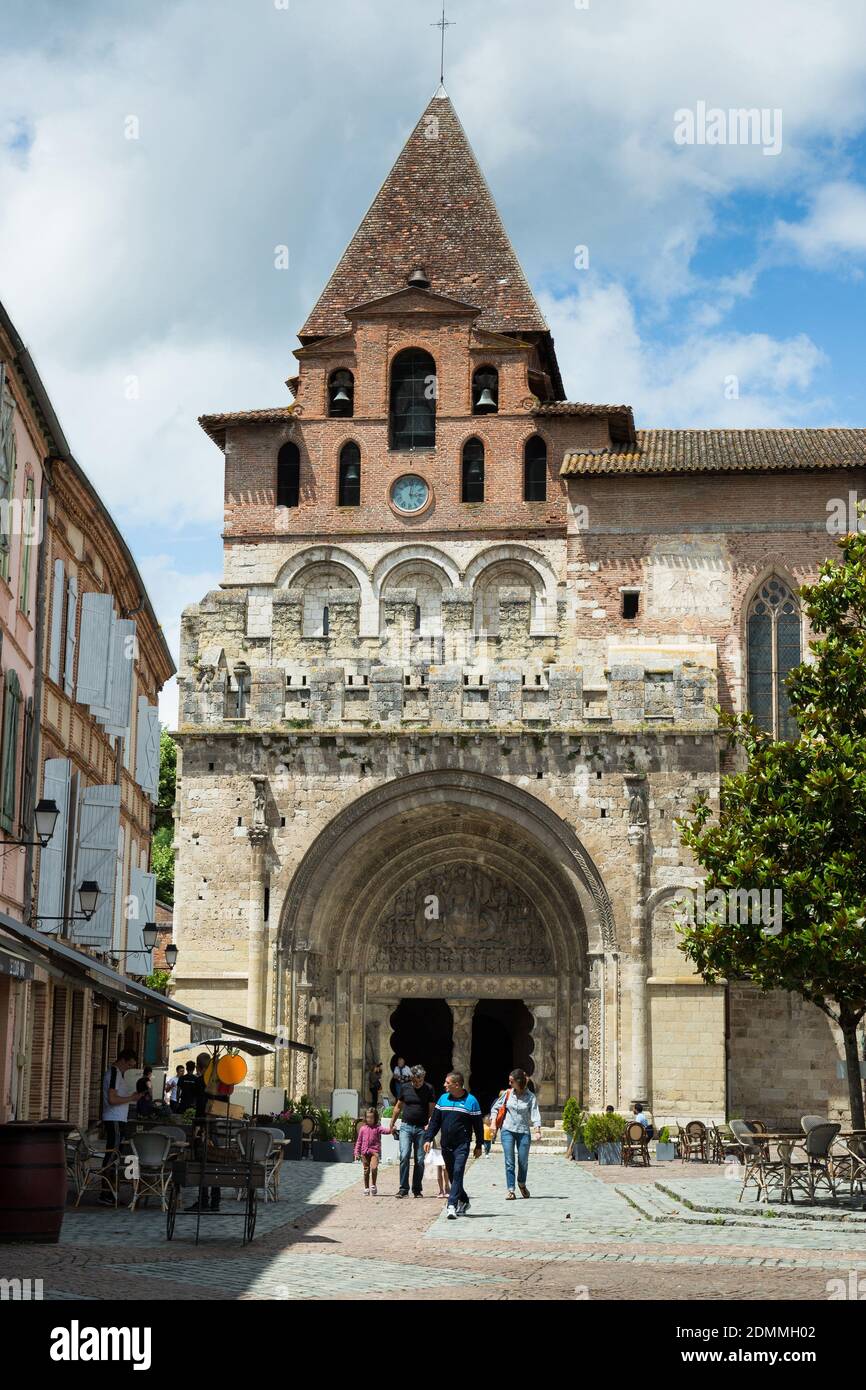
point(459, 681)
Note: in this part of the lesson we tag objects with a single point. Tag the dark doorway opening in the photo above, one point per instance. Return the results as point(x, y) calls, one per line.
point(422, 1034)
point(501, 1039)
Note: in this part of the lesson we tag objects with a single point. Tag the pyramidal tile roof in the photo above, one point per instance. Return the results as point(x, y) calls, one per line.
point(434, 210)
point(724, 451)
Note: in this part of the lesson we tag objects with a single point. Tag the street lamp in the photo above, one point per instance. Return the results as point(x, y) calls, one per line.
point(171, 955)
point(88, 898)
point(45, 816)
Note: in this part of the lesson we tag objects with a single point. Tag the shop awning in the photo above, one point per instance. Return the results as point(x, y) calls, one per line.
point(64, 961)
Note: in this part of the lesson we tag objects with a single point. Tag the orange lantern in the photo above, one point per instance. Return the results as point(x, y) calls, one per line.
point(231, 1069)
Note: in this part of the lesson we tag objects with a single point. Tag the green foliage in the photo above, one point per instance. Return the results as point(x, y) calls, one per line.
point(344, 1129)
point(602, 1129)
point(303, 1109)
point(189, 1114)
point(573, 1119)
point(167, 780)
point(162, 864)
point(664, 1135)
point(795, 820)
point(324, 1125)
point(159, 980)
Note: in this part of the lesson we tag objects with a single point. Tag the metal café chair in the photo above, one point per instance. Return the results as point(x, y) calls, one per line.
point(751, 1154)
point(817, 1170)
point(256, 1146)
point(92, 1170)
point(273, 1162)
point(150, 1174)
point(850, 1165)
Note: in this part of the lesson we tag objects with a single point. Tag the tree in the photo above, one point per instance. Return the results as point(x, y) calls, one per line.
point(795, 820)
point(161, 854)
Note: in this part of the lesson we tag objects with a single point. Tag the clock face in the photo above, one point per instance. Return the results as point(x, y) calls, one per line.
point(409, 493)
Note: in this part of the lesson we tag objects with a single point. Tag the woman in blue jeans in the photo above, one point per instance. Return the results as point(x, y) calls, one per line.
point(522, 1116)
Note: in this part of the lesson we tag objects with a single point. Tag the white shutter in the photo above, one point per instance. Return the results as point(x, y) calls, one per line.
point(69, 655)
point(122, 658)
point(58, 594)
point(98, 826)
point(147, 749)
point(94, 650)
point(52, 859)
point(142, 890)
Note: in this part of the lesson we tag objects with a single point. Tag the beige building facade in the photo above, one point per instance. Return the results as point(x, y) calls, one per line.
point(460, 680)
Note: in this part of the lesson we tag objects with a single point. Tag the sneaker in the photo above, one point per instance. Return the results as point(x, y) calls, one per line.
point(417, 1194)
point(462, 1208)
point(451, 1214)
point(374, 1191)
point(401, 1193)
point(366, 1191)
point(524, 1190)
point(510, 1197)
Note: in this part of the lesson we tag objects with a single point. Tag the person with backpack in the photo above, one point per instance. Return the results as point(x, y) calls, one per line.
point(515, 1115)
point(115, 1112)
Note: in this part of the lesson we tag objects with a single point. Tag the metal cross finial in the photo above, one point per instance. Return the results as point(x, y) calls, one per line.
point(443, 24)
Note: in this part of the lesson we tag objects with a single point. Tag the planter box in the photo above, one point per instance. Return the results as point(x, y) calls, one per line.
point(610, 1153)
point(581, 1153)
point(665, 1153)
point(345, 1152)
point(325, 1150)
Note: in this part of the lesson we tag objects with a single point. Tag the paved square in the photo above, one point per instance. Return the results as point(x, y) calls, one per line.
point(668, 1232)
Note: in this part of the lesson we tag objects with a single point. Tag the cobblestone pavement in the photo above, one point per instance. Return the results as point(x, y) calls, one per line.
point(668, 1232)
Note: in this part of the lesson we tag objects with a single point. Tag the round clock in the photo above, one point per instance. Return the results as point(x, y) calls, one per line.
point(410, 493)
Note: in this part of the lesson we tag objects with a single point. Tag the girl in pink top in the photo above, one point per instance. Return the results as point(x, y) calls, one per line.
point(368, 1147)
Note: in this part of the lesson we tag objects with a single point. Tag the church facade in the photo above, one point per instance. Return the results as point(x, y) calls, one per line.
point(438, 723)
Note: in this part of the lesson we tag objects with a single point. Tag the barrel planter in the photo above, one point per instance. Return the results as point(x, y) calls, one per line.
point(33, 1180)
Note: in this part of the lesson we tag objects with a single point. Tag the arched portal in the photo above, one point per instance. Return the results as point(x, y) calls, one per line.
point(447, 886)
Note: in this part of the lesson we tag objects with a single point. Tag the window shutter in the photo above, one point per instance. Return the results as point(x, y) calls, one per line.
point(142, 888)
point(147, 749)
point(10, 750)
point(94, 650)
point(96, 858)
point(52, 859)
point(58, 593)
point(122, 658)
point(69, 654)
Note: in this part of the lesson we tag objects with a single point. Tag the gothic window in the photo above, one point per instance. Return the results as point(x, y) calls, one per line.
point(774, 649)
point(413, 400)
point(326, 621)
point(288, 476)
point(350, 475)
point(472, 481)
point(341, 393)
point(535, 470)
point(485, 391)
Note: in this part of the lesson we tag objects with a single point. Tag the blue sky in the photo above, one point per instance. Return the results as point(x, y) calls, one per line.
point(140, 271)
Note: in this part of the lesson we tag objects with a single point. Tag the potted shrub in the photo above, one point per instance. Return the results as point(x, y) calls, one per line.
point(665, 1149)
point(324, 1149)
point(573, 1120)
point(290, 1124)
point(602, 1134)
point(344, 1138)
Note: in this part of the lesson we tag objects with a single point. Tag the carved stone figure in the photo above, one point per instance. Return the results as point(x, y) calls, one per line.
point(462, 918)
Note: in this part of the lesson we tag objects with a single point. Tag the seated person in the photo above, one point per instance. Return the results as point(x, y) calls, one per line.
point(144, 1106)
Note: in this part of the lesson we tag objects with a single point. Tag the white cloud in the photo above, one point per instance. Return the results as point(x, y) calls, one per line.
point(690, 383)
point(834, 228)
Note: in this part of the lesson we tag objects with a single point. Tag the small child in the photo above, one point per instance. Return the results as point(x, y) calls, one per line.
point(488, 1134)
point(435, 1160)
point(368, 1147)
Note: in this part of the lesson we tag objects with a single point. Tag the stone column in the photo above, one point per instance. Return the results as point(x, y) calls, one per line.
point(637, 837)
point(462, 1011)
point(257, 934)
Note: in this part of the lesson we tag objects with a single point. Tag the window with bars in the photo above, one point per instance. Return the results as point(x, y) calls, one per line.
point(535, 470)
point(350, 476)
point(774, 640)
point(288, 476)
point(472, 478)
point(413, 400)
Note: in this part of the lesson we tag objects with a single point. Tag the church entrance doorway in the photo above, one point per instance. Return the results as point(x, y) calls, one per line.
point(422, 1034)
point(501, 1039)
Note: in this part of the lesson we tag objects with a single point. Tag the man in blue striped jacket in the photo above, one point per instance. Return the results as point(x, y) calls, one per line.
point(458, 1116)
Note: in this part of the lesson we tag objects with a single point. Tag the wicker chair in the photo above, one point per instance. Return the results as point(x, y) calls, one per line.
point(150, 1173)
point(850, 1165)
point(751, 1154)
point(808, 1122)
point(693, 1140)
point(635, 1145)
